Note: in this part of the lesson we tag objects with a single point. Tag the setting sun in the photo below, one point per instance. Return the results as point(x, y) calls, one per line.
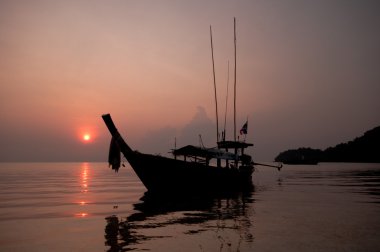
point(86, 137)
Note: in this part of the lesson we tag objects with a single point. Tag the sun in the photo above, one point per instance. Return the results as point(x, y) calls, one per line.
point(86, 137)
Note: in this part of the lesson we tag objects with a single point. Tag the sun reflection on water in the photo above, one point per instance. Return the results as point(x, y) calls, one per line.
point(81, 215)
point(84, 182)
point(84, 177)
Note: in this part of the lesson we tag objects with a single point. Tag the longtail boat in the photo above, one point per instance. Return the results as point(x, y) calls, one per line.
point(191, 168)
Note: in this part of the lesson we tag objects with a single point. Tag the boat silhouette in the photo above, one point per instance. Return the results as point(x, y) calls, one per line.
point(192, 169)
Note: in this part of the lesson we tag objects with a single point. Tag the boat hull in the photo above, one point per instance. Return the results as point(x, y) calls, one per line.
point(163, 174)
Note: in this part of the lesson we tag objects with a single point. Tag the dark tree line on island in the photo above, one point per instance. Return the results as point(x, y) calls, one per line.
point(364, 149)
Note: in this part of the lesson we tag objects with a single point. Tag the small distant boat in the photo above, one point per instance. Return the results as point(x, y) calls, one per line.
point(192, 168)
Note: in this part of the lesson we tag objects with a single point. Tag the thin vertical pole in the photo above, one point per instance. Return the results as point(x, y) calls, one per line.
point(236, 151)
point(225, 112)
point(216, 100)
point(235, 82)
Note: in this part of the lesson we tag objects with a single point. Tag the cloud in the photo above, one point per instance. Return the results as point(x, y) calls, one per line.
point(162, 140)
point(200, 124)
point(159, 141)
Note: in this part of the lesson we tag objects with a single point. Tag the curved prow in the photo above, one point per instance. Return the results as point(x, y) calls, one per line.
point(124, 148)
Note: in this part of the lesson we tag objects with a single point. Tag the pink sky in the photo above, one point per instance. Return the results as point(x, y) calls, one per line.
point(308, 74)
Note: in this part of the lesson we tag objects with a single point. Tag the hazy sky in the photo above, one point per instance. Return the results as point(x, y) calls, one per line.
point(308, 74)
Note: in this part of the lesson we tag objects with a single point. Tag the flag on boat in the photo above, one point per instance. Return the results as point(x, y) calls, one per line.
point(244, 129)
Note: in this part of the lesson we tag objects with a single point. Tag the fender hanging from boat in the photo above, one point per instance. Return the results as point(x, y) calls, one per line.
point(114, 157)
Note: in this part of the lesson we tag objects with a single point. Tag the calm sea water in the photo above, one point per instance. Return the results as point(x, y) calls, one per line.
point(64, 206)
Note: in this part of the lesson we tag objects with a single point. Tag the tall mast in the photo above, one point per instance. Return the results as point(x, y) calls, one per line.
point(235, 82)
point(216, 100)
point(225, 112)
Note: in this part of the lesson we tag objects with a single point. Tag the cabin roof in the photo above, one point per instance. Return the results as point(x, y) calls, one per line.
point(233, 145)
point(191, 150)
point(194, 151)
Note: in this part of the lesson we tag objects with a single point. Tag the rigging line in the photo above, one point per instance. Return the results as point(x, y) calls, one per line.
point(216, 100)
point(201, 142)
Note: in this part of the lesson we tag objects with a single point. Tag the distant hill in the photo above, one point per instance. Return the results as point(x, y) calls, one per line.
point(364, 149)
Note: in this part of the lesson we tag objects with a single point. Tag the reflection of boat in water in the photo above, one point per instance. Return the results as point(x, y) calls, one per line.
point(164, 219)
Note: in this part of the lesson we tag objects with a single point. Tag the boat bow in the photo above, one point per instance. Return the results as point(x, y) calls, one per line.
point(123, 146)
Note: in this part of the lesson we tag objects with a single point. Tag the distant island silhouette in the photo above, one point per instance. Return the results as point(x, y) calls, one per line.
point(364, 149)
